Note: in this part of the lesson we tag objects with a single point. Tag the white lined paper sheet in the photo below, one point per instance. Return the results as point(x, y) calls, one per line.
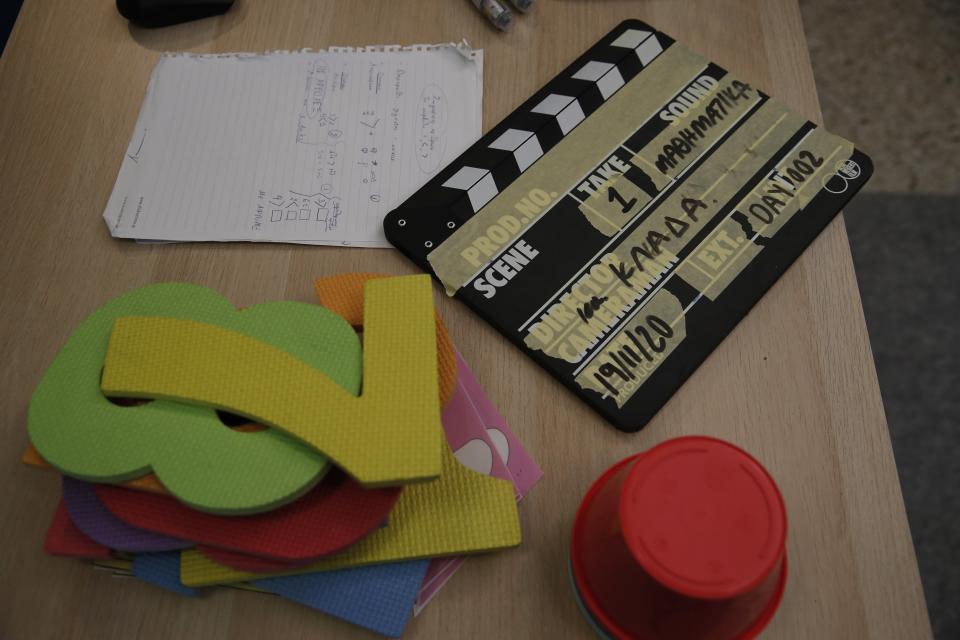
point(305, 147)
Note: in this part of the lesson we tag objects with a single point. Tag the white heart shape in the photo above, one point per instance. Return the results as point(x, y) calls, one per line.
point(500, 443)
point(476, 455)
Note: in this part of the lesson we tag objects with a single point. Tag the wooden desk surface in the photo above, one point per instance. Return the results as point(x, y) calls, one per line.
point(794, 384)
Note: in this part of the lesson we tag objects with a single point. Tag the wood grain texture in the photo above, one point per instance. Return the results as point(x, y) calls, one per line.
point(794, 384)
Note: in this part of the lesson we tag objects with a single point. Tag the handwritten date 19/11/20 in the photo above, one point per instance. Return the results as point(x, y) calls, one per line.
point(647, 342)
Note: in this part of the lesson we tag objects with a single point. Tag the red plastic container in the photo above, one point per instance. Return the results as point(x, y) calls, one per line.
point(684, 541)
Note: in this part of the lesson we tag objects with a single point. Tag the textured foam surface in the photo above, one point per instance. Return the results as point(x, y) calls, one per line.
point(161, 570)
point(484, 445)
point(201, 363)
point(461, 512)
point(64, 539)
point(464, 418)
point(333, 515)
point(343, 294)
point(148, 482)
point(245, 562)
point(95, 520)
point(379, 598)
point(211, 467)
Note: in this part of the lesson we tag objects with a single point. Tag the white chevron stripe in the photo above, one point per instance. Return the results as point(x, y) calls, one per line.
point(592, 71)
point(631, 38)
point(510, 139)
point(552, 104)
point(465, 178)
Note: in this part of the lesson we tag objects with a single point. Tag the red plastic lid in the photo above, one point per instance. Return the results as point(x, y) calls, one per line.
point(703, 517)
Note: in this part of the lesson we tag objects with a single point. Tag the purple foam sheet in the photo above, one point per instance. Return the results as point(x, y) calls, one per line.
point(96, 521)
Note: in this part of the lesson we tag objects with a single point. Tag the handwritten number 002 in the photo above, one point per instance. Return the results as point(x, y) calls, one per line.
point(612, 195)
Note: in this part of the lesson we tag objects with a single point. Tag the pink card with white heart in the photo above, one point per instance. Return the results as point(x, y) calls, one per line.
point(481, 440)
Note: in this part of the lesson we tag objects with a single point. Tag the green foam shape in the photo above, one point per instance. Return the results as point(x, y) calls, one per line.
point(197, 458)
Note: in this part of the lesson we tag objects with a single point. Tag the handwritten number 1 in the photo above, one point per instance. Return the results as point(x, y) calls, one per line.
point(625, 206)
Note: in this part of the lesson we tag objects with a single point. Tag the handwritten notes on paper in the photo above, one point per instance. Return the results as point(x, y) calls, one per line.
point(307, 147)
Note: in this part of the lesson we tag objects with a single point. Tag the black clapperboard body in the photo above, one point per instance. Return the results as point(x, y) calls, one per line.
point(620, 222)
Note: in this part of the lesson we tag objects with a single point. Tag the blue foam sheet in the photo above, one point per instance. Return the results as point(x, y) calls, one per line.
point(379, 597)
point(162, 570)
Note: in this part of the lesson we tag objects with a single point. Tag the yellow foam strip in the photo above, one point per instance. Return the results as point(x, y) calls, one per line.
point(343, 294)
point(389, 435)
point(462, 512)
point(116, 564)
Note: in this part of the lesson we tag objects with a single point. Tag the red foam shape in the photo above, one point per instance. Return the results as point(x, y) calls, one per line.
point(245, 562)
point(64, 539)
point(335, 514)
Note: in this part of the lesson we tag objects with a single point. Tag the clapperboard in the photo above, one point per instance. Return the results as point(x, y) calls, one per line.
point(619, 224)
